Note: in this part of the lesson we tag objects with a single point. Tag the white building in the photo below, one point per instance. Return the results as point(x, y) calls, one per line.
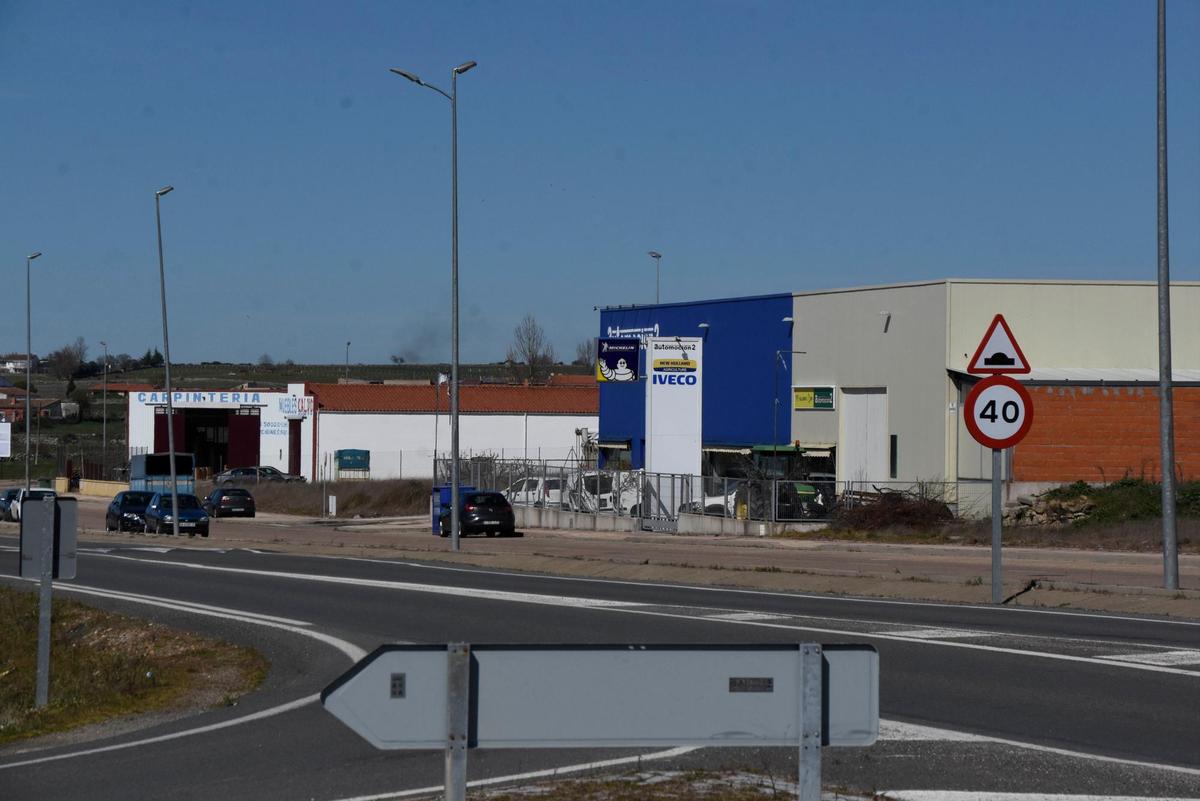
point(301, 429)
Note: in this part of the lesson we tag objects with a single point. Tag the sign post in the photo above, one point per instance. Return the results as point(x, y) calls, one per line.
point(47, 552)
point(999, 413)
point(461, 696)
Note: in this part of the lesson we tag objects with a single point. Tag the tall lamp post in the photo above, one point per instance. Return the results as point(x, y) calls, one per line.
point(453, 98)
point(28, 359)
point(104, 415)
point(654, 254)
point(347, 361)
point(162, 290)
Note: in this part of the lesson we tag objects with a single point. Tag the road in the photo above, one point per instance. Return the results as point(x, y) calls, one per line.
point(974, 698)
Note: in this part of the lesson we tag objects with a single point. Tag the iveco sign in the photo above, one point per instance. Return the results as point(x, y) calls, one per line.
point(673, 404)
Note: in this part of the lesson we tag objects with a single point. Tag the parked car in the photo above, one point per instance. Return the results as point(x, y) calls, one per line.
point(14, 508)
point(192, 517)
point(229, 502)
point(537, 492)
point(254, 475)
point(127, 511)
point(6, 500)
point(481, 512)
point(607, 492)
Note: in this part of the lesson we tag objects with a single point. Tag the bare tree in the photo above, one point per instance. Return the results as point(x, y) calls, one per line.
point(530, 350)
point(266, 361)
point(67, 360)
point(585, 352)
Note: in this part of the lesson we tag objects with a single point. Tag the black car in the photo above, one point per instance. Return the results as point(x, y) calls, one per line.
point(127, 511)
point(481, 512)
point(229, 502)
point(193, 519)
point(6, 501)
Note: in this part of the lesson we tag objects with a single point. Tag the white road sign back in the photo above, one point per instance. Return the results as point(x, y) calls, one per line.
point(532, 696)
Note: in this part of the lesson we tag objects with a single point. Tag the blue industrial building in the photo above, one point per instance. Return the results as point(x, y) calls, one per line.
point(746, 381)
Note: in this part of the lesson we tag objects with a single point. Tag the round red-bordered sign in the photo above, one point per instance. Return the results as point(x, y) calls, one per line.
point(999, 412)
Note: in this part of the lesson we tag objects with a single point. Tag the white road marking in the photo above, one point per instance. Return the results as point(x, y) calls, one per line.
point(1016, 610)
point(1159, 658)
point(349, 649)
point(536, 774)
point(183, 605)
point(748, 616)
point(266, 713)
point(939, 634)
point(636, 608)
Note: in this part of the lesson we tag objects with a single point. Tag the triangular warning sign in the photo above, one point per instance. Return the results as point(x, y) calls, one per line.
point(998, 351)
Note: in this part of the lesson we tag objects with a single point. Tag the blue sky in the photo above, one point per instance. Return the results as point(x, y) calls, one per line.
point(760, 146)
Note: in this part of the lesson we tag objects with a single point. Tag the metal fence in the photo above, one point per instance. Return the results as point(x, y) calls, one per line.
point(658, 499)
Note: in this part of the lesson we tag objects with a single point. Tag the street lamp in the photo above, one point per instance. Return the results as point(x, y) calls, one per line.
point(104, 425)
point(654, 254)
point(28, 360)
point(347, 361)
point(453, 98)
point(162, 290)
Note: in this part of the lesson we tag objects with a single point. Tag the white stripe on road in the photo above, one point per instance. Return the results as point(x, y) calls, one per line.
point(654, 610)
point(749, 616)
point(349, 649)
point(184, 605)
point(536, 774)
point(266, 713)
point(1160, 658)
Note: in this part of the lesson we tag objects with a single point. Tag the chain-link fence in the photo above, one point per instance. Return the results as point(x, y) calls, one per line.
point(658, 499)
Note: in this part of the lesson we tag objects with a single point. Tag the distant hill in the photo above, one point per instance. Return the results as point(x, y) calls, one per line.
point(220, 375)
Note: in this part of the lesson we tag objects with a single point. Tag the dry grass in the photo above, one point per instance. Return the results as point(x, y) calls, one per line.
point(105, 665)
point(386, 498)
point(1139, 535)
point(661, 786)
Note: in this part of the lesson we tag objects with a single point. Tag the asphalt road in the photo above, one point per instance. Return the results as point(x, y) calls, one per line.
point(1012, 700)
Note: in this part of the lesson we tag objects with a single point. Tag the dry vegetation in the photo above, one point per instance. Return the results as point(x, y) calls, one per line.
point(386, 498)
point(105, 665)
point(661, 786)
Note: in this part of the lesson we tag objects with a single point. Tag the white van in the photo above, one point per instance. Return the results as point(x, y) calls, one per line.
point(536, 492)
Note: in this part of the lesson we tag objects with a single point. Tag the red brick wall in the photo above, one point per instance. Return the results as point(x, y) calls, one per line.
point(1104, 433)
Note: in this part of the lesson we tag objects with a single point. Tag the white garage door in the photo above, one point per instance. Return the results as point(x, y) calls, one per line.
point(863, 451)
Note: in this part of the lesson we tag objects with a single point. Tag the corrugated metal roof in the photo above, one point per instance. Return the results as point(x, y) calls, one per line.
point(472, 399)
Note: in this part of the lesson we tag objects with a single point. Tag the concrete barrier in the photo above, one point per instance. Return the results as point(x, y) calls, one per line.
point(544, 517)
point(100, 489)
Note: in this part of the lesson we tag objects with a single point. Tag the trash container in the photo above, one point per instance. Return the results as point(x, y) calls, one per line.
point(439, 500)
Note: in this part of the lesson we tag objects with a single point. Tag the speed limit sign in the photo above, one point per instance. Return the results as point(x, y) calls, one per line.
point(999, 412)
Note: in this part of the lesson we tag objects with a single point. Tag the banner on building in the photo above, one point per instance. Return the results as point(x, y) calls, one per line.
point(618, 360)
point(674, 383)
point(809, 398)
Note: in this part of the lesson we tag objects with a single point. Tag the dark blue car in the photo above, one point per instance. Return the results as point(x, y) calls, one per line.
point(127, 512)
point(193, 519)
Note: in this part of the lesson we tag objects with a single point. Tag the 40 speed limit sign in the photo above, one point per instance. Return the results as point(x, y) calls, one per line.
point(999, 412)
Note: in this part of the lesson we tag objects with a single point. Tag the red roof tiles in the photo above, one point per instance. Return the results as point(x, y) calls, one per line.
point(472, 399)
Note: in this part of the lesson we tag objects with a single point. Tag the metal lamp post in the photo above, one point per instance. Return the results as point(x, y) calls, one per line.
point(347, 361)
point(28, 359)
point(162, 289)
point(104, 417)
point(453, 98)
point(654, 254)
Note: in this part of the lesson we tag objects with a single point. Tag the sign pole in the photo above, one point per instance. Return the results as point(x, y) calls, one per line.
point(997, 517)
point(458, 719)
point(46, 533)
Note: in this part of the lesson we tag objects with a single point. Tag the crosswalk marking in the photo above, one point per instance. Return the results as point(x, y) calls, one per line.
point(1159, 658)
point(937, 634)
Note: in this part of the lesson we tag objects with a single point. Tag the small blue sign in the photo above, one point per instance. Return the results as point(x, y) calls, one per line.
point(617, 360)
